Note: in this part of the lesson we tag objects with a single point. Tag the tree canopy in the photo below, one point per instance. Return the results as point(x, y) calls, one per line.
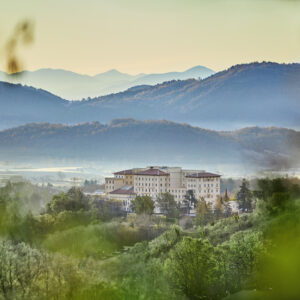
point(143, 205)
point(167, 205)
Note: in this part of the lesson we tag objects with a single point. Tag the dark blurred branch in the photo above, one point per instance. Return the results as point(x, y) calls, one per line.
point(23, 35)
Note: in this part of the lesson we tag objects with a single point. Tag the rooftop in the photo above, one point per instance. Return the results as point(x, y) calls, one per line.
point(152, 172)
point(125, 172)
point(124, 190)
point(203, 175)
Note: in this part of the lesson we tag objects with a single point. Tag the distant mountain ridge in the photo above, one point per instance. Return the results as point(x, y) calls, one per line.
point(151, 141)
point(74, 86)
point(262, 94)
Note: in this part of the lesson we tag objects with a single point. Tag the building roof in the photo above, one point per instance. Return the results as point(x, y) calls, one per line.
point(152, 172)
point(125, 172)
point(124, 190)
point(113, 178)
point(203, 175)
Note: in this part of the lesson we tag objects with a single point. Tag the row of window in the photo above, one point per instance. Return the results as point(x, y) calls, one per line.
point(149, 190)
point(151, 178)
point(158, 179)
point(189, 185)
point(177, 191)
point(146, 184)
point(180, 193)
point(205, 185)
point(199, 191)
point(202, 179)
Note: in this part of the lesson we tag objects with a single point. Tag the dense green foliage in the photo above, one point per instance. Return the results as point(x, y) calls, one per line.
point(73, 200)
point(70, 251)
point(168, 206)
point(143, 205)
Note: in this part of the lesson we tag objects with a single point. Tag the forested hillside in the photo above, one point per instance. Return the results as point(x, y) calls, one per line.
point(261, 94)
point(82, 248)
point(152, 141)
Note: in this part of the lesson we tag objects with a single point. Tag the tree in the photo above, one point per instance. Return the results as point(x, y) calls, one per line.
point(278, 194)
point(203, 213)
point(244, 256)
point(73, 200)
point(143, 205)
point(225, 198)
point(168, 206)
point(227, 210)
point(89, 182)
point(190, 199)
point(244, 196)
point(20, 266)
point(219, 209)
point(27, 273)
point(192, 268)
point(106, 210)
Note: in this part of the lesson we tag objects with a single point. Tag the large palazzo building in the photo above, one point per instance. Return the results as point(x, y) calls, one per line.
point(153, 181)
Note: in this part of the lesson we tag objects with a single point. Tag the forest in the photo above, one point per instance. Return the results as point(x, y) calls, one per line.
point(77, 247)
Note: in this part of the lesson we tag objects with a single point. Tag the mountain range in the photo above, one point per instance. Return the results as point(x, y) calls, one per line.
point(256, 94)
point(74, 86)
point(151, 141)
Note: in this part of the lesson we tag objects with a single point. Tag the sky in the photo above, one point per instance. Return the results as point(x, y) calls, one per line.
point(153, 36)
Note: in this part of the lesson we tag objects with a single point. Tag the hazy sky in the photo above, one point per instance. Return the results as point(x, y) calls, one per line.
point(133, 36)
